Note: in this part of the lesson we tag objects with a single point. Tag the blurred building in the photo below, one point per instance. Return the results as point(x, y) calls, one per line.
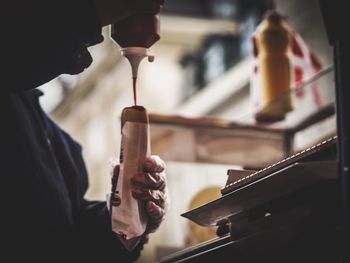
point(202, 68)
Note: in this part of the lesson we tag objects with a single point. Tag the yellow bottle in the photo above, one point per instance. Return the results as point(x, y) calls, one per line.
point(273, 43)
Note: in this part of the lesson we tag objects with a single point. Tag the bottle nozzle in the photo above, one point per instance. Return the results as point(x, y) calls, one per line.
point(135, 55)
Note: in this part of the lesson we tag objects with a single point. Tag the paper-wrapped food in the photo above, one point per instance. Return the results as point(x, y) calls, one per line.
point(129, 219)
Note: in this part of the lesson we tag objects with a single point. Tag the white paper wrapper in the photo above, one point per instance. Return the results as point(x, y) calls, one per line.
point(129, 220)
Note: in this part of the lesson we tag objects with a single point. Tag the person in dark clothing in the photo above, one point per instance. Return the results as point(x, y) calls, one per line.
point(44, 216)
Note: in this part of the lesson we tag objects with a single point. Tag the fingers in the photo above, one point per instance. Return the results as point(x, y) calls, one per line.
point(149, 186)
point(153, 177)
point(154, 211)
point(156, 215)
point(152, 181)
point(153, 164)
point(158, 197)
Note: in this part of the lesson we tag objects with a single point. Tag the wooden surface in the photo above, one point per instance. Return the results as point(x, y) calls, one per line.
point(208, 140)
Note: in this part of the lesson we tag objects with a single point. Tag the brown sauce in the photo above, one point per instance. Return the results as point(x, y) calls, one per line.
point(134, 81)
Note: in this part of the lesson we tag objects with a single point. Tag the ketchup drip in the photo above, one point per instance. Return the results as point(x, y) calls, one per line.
point(134, 80)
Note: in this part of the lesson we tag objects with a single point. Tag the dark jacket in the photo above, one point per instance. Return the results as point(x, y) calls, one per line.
point(44, 216)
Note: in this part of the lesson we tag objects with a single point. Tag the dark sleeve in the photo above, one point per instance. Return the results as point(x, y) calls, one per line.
point(94, 226)
point(45, 39)
point(92, 220)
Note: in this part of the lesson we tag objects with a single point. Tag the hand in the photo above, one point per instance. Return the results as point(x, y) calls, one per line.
point(150, 187)
point(112, 11)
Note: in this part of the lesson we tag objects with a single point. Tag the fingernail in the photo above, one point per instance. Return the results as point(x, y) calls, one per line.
point(116, 201)
point(150, 179)
point(156, 176)
point(149, 163)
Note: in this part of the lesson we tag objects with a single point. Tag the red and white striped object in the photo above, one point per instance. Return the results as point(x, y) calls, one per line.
point(305, 65)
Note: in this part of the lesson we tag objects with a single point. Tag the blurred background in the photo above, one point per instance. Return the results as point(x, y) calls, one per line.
point(199, 92)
